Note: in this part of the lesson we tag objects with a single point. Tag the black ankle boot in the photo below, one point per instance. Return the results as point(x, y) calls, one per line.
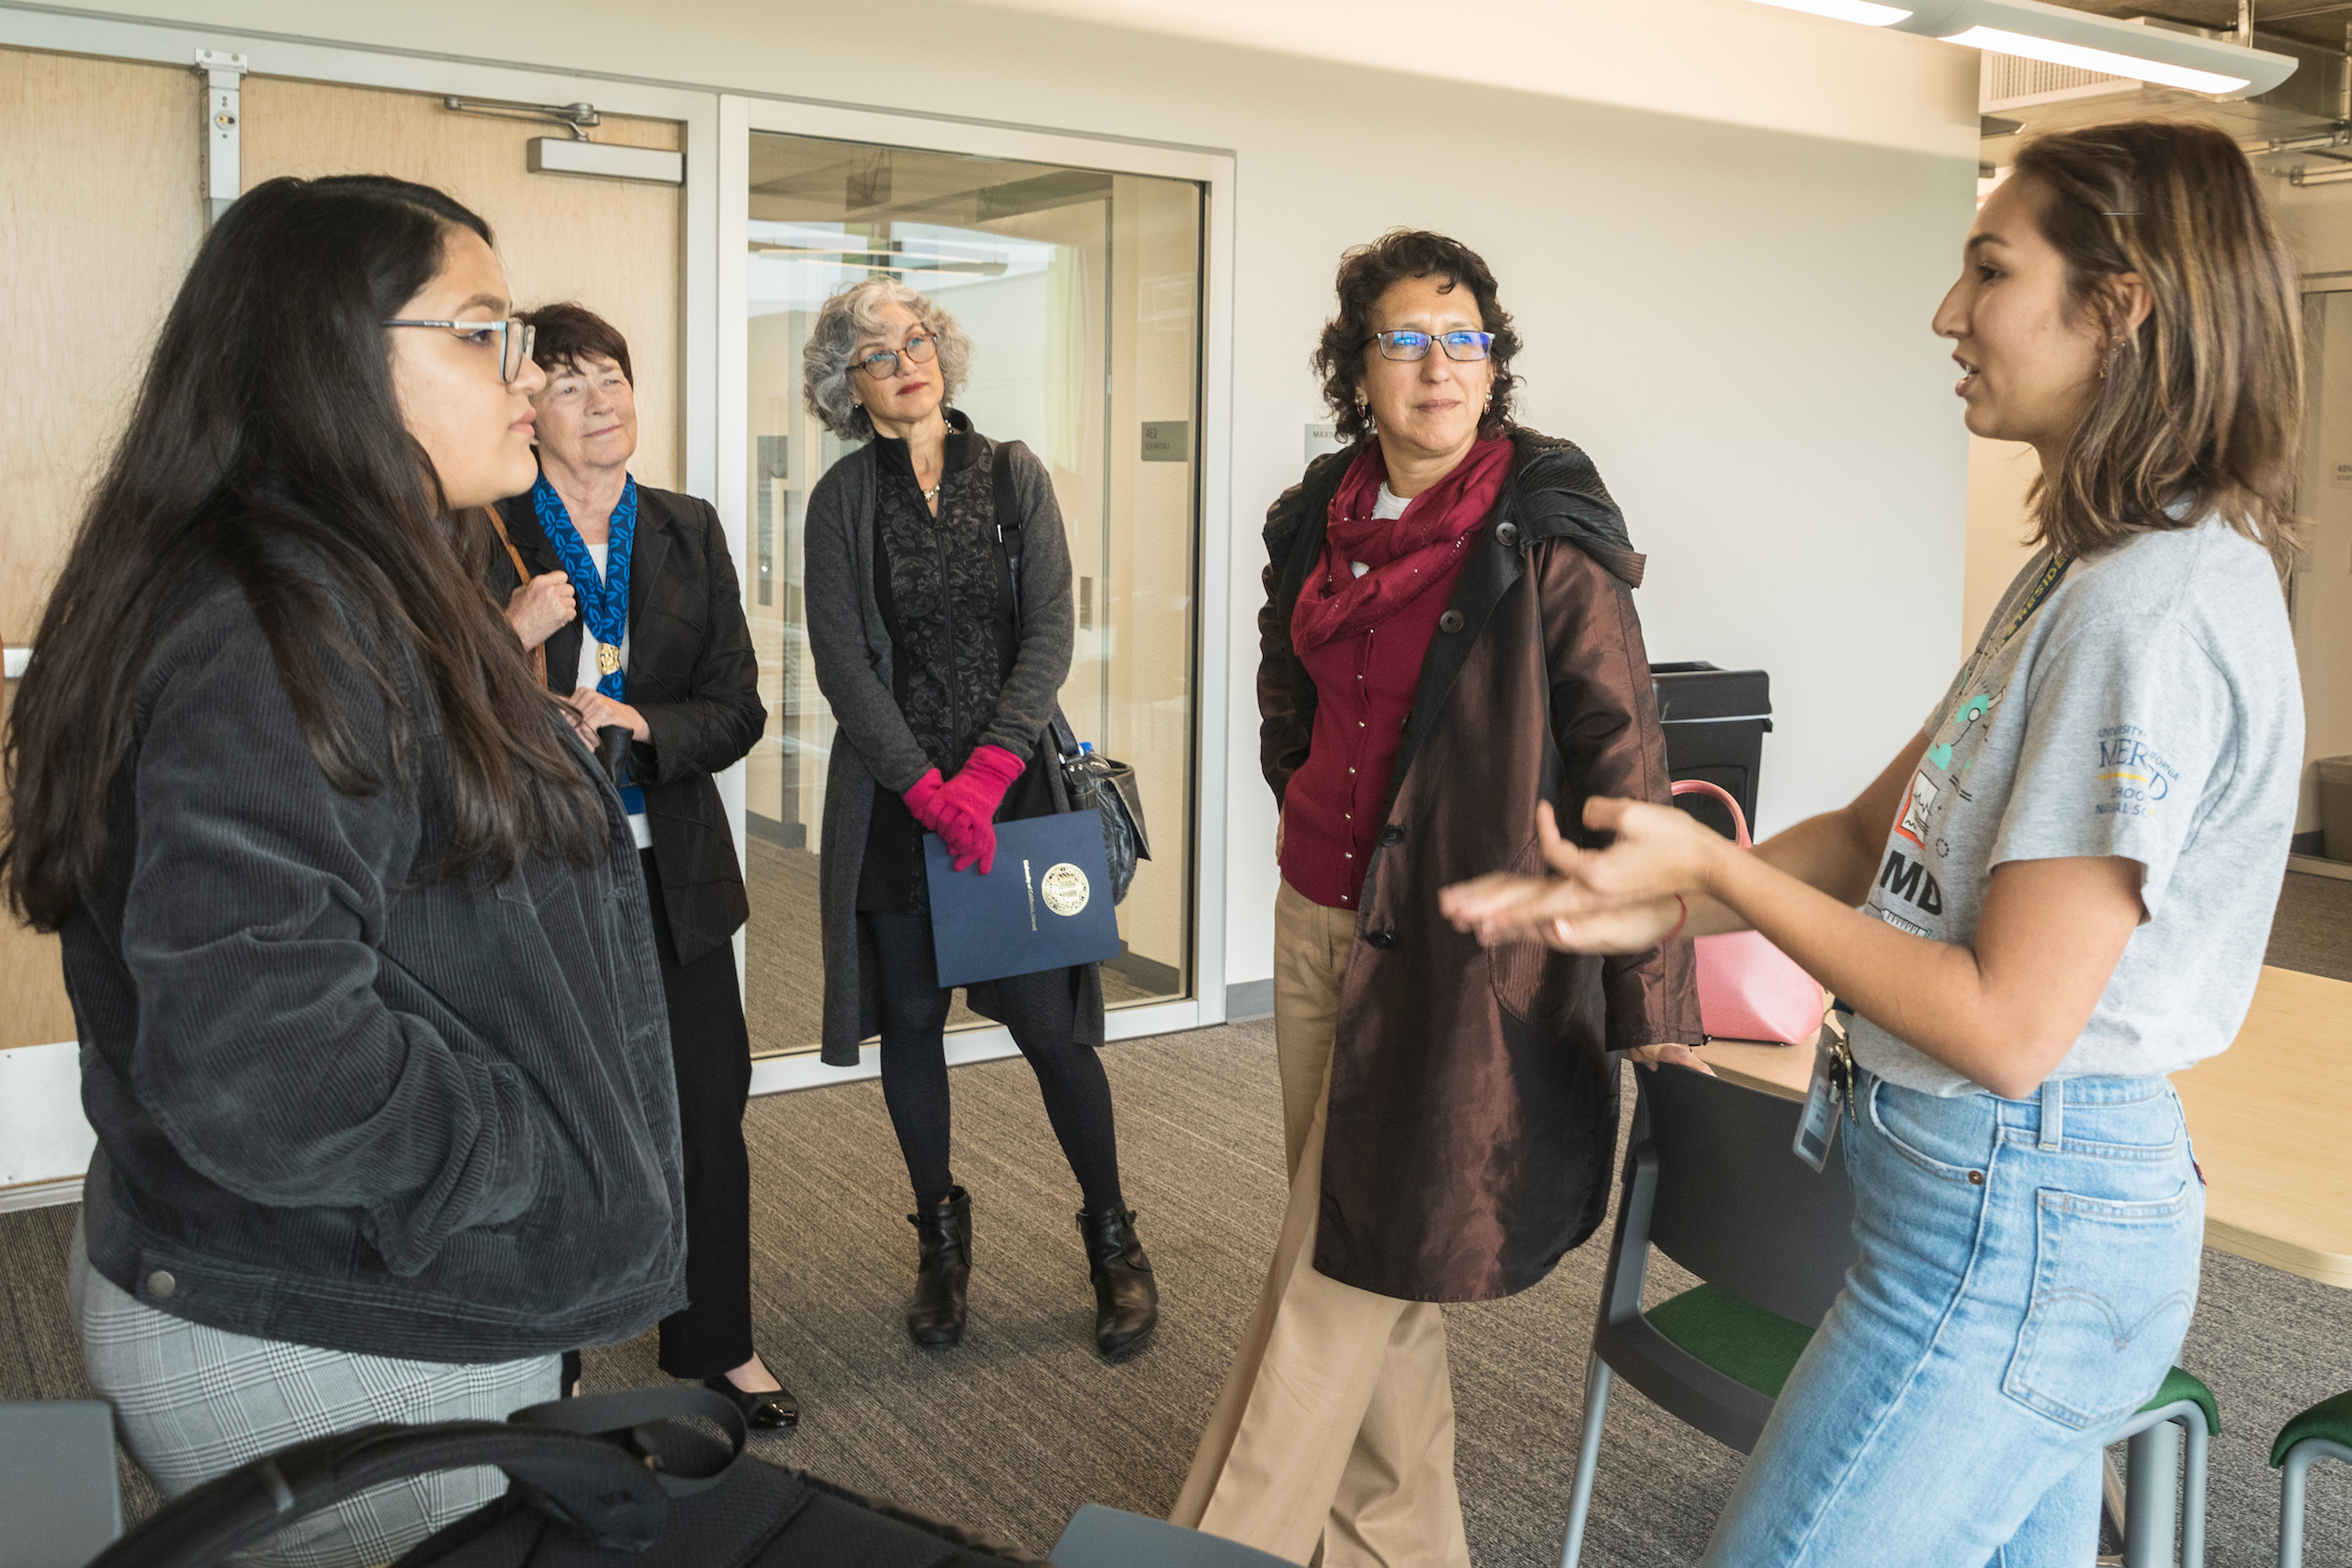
point(935, 1316)
point(1126, 1301)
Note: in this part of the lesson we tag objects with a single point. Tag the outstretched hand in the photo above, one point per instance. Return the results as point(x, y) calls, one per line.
point(1623, 899)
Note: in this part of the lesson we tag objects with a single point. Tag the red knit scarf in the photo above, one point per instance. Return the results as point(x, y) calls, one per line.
point(1405, 553)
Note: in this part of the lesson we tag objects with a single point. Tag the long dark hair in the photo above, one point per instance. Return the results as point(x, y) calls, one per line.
point(266, 447)
point(2203, 404)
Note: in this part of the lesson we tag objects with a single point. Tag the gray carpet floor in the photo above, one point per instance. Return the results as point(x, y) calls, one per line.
point(1015, 1428)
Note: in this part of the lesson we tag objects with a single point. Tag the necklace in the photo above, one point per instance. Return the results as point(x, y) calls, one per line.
point(932, 493)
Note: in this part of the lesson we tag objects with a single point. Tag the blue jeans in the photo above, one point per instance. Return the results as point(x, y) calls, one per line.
point(2026, 1271)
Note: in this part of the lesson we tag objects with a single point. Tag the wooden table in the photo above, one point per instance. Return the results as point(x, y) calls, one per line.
point(2271, 1117)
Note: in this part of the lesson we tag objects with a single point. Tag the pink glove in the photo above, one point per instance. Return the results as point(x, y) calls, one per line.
point(968, 803)
point(968, 842)
point(923, 799)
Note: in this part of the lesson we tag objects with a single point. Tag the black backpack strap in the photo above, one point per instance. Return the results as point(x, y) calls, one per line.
point(1011, 537)
point(689, 1461)
point(1010, 525)
point(608, 1496)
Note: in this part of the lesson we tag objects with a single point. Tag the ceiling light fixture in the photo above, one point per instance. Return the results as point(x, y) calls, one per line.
point(1868, 12)
point(2064, 37)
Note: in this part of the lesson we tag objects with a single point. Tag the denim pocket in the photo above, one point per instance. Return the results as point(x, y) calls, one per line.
point(1895, 1112)
point(2114, 1282)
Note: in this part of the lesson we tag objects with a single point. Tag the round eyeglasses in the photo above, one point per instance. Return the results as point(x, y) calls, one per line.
point(1415, 346)
point(515, 339)
point(920, 349)
point(917, 349)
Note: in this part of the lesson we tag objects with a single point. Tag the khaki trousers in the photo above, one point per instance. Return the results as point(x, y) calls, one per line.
point(1335, 1424)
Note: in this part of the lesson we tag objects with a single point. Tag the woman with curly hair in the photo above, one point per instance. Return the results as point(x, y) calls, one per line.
point(943, 689)
point(1448, 639)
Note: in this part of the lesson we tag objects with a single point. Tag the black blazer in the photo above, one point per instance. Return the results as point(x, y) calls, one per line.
point(692, 673)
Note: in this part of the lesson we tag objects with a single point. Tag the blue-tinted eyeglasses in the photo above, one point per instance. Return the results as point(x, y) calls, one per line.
point(1415, 346)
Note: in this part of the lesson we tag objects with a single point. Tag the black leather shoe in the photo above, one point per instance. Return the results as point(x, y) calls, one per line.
point(767, 1409)
point(944, 1231)
point(1127, 1299)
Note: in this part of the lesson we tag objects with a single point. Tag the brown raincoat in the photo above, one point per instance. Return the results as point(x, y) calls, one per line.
point(1474, 1107)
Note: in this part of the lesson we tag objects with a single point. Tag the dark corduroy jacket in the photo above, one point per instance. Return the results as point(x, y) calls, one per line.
point(338, 1106)
point(693, 675)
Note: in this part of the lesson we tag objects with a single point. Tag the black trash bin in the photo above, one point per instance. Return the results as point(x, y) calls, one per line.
point(1716, 722)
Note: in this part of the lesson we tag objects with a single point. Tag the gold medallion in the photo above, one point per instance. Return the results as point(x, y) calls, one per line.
point(608, 658)
point(1065, 889)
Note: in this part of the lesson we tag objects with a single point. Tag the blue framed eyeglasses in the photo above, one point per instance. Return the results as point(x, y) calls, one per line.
point(1415, 346)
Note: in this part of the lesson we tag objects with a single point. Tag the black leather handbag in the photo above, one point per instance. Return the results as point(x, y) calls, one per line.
point(1095, 782)
point(611, 1479)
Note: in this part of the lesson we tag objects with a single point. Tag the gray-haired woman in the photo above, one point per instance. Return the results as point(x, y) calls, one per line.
point(943, 688)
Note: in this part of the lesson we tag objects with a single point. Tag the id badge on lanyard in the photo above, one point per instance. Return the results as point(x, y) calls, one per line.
point(1832, 1085)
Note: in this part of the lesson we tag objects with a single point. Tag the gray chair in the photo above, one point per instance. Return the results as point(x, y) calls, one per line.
point(1101, 1537)
point(2322, 1432)
point(59, 1495)
point(1710, 1183)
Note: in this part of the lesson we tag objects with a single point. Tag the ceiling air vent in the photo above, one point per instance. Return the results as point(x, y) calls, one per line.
point(2011, 82)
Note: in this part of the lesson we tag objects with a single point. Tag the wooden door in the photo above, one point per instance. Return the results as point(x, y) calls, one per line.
point(103, 204)
point(103, 212)
point(613, 246)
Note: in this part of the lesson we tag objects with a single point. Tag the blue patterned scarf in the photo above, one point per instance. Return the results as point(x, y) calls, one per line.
point(604, 597)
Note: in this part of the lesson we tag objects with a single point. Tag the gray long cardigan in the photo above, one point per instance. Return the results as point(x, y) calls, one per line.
point(850, 645)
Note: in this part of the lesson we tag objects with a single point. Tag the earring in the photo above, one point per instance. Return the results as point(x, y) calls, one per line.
point(2114, 352)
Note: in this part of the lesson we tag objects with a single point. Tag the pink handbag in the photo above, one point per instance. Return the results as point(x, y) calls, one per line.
point(1749, 989)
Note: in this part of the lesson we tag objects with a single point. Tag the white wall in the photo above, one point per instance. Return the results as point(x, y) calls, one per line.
point(2318, 224)
point(1725, 287)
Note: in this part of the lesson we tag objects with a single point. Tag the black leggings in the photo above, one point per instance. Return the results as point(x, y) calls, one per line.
point(1043, 1021)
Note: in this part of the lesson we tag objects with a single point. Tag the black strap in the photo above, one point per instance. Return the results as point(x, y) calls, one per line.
point(610, 1497)
point(638, 1413)
point(1009, 522)
point(564, 1455)
point(1010, 541)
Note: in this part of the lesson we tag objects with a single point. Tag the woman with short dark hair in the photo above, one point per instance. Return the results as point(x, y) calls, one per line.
point(1448, 639)
point(2057, 894)
point(944, 687)
point(372, 1031)
point(632, 595)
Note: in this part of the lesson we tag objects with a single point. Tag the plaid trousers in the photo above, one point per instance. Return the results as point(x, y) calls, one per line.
point(193, 1403)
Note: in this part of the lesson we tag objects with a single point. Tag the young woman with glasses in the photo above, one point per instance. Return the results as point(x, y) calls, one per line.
point(1448, 638)
point(2057, 893)
point(371, 1024)
point(943, 689)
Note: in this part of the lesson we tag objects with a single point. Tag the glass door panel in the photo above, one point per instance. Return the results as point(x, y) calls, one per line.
point(1080, 289)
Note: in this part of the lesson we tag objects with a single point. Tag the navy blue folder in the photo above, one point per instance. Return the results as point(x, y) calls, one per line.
point(1047, 905)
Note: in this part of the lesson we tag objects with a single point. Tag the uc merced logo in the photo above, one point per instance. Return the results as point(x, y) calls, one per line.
point(2138, 778)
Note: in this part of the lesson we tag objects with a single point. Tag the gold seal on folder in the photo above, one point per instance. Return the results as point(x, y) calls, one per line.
point(1065, 889)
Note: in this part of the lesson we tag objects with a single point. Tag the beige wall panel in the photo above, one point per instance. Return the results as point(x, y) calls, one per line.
point(33, 1009)
point(101, 202)
point(101, 207)
point(613, 246)
point(1999, 475)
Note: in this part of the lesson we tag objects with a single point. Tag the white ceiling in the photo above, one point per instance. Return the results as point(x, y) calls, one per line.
point(1720, 60)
